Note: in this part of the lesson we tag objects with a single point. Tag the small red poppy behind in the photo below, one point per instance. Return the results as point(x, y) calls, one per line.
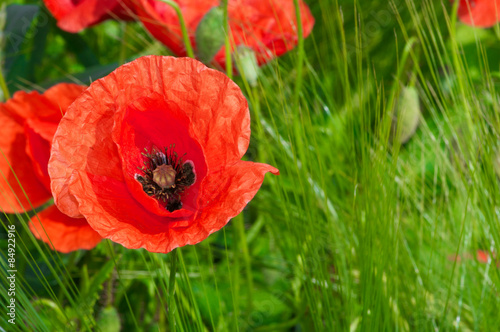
point(76, 15)
point(480, 13)
point(29, 121)
point(268, 27)
point(150, 155)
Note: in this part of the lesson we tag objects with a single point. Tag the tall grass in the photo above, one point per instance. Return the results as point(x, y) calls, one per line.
point(358, 233)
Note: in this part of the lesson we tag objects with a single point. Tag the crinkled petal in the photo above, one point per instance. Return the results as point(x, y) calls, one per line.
point(115, 217)
point(66, 234)
point(124, 112)
point(480, 13)
point(215, 106)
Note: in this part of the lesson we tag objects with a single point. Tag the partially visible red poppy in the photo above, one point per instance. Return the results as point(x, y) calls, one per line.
point(480, 13)
point(481, 256)
point(29, 121)
point(150, 155)
point(76, 15)
point(268, 27)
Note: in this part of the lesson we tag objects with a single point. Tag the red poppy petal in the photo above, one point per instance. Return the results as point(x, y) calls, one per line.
point(38, 149)
point(227, 192)
point(220, 120)
point(266, 26)
point(66, 234)
point(48, 107)
point(16, 185)
point(480, 13)
point(28, 124)
point(162, 21)
point(115, 214)
point(74, 16)
point(115, 217)
point(152, 122)
point(482, 256)
point(269, 27)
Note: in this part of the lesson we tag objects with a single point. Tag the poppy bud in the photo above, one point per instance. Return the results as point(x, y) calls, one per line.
point(247, 64)
point(407, 115)
point(210, 34)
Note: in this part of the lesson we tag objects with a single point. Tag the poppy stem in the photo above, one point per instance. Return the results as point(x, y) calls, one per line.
point(227, 42)
point(300, 49)
point(240, 226)
point(185, 35)
point(123, 47)
point(171, 290)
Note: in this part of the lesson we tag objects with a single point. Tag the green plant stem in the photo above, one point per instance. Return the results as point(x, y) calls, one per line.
point(3, 86)
point(185, 35)
point(300, 49)
point(171, 290)
point(123, 47)
point(240, 226)
point(227, 42)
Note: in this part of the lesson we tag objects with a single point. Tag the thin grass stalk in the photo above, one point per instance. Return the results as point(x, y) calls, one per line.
point(185, 35)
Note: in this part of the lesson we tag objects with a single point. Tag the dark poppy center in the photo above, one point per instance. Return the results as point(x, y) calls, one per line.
point(166, 176)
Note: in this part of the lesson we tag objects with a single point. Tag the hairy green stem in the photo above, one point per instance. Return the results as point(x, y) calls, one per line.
point(300, 49)
point(227, 42)
point(185, 35)
point(3, 86)
point(171, 290)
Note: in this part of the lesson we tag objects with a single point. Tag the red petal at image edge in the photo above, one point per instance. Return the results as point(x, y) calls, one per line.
point(20, 190)
point(66, 234)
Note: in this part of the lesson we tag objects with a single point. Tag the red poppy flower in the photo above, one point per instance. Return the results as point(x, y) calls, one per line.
point(29, 121)
point(480, 13)
point(266, 26)
point(76, 15)
point(150, 155)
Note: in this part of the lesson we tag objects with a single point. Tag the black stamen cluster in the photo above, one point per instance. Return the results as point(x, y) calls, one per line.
point(185, 177)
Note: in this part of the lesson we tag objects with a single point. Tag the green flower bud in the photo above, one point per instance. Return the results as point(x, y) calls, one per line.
point(210, 34)
point(406, 116)
point(247, 64)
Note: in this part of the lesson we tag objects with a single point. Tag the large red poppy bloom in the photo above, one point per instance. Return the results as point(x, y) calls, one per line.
point(480, 13)
point(150, 155)
point(76, 15)
point(29, 121)
point(268, 27)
